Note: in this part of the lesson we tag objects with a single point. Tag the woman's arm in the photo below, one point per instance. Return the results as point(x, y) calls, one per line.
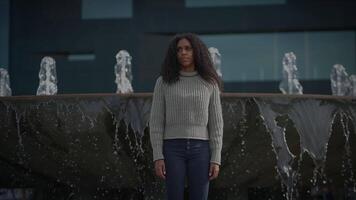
point(215, 125)
point(157, 120)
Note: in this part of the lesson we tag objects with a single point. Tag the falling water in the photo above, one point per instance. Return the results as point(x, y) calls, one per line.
point(347, 171)
point(284, 156)
point(103, 142)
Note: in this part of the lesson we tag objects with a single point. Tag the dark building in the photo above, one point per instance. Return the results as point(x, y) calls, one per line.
point(83, 37)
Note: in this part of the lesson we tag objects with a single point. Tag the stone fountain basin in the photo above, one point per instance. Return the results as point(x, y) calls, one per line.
point(102, 141)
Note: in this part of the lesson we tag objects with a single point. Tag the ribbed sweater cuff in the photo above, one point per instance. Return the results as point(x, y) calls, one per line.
point(216, 156)
point(157, 153)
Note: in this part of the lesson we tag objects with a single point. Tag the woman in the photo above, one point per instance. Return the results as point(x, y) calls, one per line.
point(186, 124)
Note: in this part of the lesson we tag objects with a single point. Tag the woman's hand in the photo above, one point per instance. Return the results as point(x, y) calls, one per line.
point(160, 169)
point(214, 171)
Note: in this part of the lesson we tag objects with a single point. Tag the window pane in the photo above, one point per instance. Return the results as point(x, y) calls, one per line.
point(94, 9)
point(258, 57)
point(215, 3)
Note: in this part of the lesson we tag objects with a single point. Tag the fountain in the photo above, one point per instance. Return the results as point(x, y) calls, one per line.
point(290, 83)
point(97, 146)
point(216, 59)
point(123, 72)
point(340, 83)
point(352, 85)
point(5, 89)
point(47, 77)
point(90, 146)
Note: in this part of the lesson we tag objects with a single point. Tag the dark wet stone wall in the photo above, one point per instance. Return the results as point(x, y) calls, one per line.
point(97, 146)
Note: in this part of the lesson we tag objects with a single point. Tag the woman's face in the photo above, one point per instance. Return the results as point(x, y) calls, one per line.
point(185, 54)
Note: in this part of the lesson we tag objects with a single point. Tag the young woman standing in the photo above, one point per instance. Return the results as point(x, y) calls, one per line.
point(186, 123)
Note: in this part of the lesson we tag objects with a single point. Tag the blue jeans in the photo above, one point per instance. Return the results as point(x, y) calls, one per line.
point(187, 158)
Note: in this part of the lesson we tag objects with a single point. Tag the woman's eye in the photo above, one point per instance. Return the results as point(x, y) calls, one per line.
point(185, 48)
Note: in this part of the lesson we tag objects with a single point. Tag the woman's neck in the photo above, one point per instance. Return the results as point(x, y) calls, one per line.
point(188, 73)
point(188, 69)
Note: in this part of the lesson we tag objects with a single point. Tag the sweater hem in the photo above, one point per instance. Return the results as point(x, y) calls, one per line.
point(200, 132)
point(188, 137)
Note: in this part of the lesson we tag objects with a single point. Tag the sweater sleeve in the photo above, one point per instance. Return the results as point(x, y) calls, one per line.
point(215, 125)
point(157, 120)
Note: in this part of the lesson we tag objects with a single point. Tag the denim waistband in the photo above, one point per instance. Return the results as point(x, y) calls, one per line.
point(185, 140)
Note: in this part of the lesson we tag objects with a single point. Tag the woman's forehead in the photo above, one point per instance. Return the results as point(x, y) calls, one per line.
point(183, 42)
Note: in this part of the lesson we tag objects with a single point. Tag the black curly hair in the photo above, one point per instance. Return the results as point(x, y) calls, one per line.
point(202, 61)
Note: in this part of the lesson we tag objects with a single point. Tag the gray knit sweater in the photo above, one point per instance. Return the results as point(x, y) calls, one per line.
point(189, 108)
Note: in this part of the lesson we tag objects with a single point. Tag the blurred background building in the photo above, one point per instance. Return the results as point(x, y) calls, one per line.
point(252, 36)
